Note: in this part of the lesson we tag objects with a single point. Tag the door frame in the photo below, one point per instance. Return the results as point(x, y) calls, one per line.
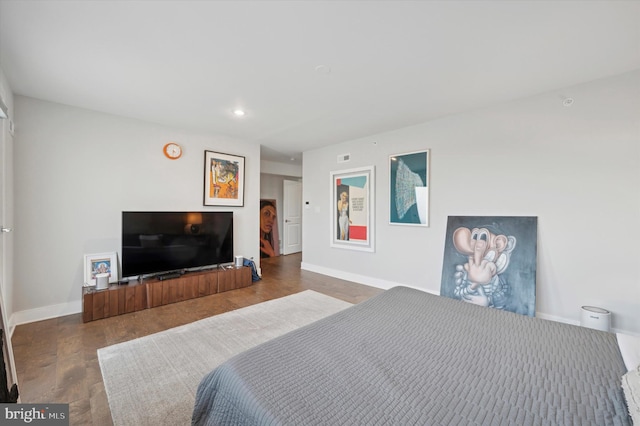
point(287, 219)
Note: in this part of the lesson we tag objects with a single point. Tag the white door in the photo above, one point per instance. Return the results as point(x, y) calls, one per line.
point(292, 215)
point(6, 147)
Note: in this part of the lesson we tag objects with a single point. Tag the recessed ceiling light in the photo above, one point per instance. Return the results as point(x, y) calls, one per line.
point(323, 69)
point(238, 112)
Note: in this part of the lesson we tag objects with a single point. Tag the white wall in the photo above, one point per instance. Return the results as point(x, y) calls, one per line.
point(281, 169)
point(75, 172)
point(577, 169)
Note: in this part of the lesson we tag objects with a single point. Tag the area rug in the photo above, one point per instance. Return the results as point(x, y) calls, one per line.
point(153, 380)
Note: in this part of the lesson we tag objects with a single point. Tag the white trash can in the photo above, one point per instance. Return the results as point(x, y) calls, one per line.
point(597, 318)
point(102, 281)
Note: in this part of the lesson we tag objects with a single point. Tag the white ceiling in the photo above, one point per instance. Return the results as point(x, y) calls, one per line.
point(308, 73)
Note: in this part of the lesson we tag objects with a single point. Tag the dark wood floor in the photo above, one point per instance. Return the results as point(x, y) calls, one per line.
point(57, 362)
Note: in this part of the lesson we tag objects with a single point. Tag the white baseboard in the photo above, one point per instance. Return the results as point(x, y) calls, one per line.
point(385, 285)
point(556, 319)
point(348, 276)
point(357, 278)
point(44, 313)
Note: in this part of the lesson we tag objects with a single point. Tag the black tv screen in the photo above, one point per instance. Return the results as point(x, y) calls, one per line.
point(154, 242)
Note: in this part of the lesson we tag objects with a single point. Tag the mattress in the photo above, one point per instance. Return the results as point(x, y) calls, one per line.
point(409, 357)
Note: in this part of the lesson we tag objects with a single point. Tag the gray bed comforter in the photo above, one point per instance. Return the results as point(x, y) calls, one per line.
point(408, 357)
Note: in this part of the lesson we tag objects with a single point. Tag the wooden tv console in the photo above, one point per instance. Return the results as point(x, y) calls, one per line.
point(136, 296)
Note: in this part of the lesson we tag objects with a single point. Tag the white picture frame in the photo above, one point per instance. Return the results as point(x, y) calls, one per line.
point(100, 263)
point(223, 179)
point(352, 226)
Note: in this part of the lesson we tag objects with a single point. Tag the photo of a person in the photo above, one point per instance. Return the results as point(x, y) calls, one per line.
point(267, 224)
point(352, 196)
point(343, 216)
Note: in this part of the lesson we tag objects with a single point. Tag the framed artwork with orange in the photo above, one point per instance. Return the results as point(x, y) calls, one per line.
point(223, 179)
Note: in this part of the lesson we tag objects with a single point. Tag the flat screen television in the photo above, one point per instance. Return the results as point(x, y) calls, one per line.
point(156, 242)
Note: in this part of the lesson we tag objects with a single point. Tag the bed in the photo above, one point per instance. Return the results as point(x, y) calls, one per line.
point(409, 357)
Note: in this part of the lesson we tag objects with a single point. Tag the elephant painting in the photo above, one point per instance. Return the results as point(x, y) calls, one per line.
point(491, 261)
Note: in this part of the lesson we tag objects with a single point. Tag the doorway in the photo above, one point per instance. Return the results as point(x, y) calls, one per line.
point(292, 213)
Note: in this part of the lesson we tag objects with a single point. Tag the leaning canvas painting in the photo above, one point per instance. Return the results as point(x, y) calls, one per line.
point(491, 261)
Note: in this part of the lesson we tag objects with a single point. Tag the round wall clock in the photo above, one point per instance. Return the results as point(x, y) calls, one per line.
point(172, 150)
